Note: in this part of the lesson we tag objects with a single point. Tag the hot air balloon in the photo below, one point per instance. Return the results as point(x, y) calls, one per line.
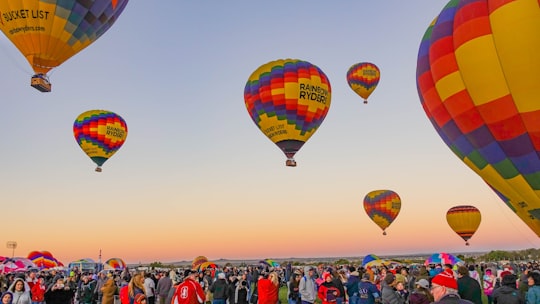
point(100, 134)
point(288, 100)
point(363, 78)
point(382, 207)
point(49, 32)
point(114, 264)
point(198, 261)
point(464, 220)
point(477, 75)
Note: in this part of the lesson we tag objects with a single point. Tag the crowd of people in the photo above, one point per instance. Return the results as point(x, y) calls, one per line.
point(325, 284)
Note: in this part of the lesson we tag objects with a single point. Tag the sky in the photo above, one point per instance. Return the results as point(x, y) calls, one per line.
point(197, 177)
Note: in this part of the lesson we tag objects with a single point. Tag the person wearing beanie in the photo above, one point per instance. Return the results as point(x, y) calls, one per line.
point(368, 292)
point(328, 290)
point(508, 293)
point(219, 289)
point(388, 292)
point(444, 289)
point(468, 288)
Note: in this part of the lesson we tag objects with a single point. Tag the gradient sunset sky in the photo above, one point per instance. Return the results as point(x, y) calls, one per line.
point(197, 177)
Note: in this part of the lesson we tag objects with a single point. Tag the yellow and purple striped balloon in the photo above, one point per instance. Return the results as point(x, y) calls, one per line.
point(464, 220)
point(478, 72)
point(288, 100)
point(382, 207)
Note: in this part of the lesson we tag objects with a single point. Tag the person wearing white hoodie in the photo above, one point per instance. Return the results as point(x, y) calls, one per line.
point(307, 286)
point(21, 291)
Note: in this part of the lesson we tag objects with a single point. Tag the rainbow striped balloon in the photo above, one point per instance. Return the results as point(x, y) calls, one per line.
point(382, 207)
point(100, 134)
point(288, 100)
point(478, 72)
point(363, 78)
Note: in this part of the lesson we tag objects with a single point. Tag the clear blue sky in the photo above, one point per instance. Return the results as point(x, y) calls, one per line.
point(197, 173)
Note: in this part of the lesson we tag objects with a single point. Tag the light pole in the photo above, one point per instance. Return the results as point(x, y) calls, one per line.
point(11, 245)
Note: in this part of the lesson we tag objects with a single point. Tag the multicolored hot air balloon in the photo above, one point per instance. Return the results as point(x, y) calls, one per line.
point(49, 32)
point(43, 259)
point(198, 261)
point(477, 75)
point(100, 134)
point(464, 220)
point(382, 207)
point(114, 264)
point(363, 78)
point(288, 100)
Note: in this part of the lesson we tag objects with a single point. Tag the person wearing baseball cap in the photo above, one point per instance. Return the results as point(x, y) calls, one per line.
point(444, 289)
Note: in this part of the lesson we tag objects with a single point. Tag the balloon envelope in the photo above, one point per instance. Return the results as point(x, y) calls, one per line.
point(288, 100)
point(363, 78)
point(442, 258)
point(477, 75)
point(100, 134)
point(115, 264)
point(198, 261)
point(464, 220)
point(48, 32)
point(382, 207)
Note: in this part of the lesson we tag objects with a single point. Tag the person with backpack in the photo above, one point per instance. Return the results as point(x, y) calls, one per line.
point(307, 286)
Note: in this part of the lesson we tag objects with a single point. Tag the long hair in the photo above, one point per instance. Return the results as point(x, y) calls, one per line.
point(136, 283)
point(274, 278)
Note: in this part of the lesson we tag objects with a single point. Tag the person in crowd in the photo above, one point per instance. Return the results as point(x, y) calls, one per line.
point(231, 288)
point(163, 286)
point(219, 289)
point(7, 297)
point(149, 288)
point(136, 286)
point(307, 286)
point(473, 273)
point(100, 281)
point(488, 284)
point(468, 288)
point(268, 289)
point(352, 286)
point(189, 291)
point(340, 279)
point(533, 293)
point(389, 294)
point(21, 291)
point(59, 293)
point(293, 289)
point(328, 291)
point(444, 289)
point(421, 293)
point(508, 293)
point(368, 292)
point(86, 290)
point(241, 293)
point(37, 291)
point(108, 291)
point(401, 290)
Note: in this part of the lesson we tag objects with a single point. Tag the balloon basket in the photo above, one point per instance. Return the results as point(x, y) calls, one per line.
point(290, 163)
point(384, 233)
point(365, 101)
point(40, 83)
point(98, 169)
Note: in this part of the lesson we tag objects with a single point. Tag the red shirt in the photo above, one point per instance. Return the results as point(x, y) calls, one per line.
point(268, 292)
point(189, 292)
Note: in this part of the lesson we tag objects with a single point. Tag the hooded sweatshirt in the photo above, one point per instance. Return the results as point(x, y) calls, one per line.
point(307, 287)
point(20, 297)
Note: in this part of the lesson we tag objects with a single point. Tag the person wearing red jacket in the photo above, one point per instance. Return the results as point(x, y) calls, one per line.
point(268, 289)
point(38, 291)
point(189, 291)
point(328, 291)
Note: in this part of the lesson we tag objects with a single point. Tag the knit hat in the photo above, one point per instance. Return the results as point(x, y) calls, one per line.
point(445, 279)
point(509, 279)
point(221, 275)
point(326, 274)
point(139, 297)
point(505, 273)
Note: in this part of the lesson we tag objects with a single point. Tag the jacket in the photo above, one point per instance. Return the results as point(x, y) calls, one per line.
point(188, 292)
point(507, 295)
point(307, 287)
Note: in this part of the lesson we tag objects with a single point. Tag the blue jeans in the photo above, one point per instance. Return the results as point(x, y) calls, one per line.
point(218, 301)
point(354, 299)
point(339, 300)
